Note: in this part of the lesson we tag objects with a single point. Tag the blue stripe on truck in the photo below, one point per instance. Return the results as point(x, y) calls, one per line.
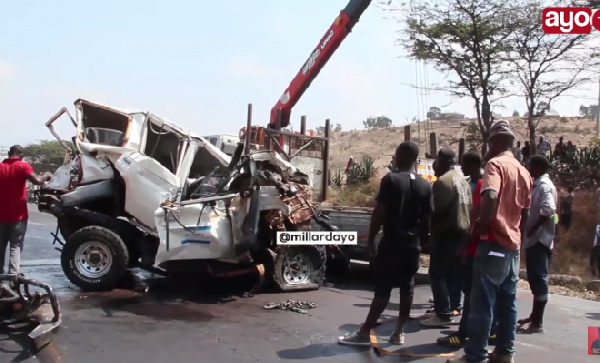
point(190, 241)
point(199, 228)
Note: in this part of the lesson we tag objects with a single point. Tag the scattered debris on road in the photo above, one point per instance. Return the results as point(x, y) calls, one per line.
point(301, 307)
point(19, 305)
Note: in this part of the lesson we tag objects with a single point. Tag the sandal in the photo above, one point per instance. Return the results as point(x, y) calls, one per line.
point(530, 329)
point(523, 321)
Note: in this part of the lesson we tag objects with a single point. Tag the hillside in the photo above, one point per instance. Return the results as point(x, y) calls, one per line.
point(380, 143)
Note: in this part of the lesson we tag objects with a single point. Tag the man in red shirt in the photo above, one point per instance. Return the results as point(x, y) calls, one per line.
point(14, 174)
point(471, 165)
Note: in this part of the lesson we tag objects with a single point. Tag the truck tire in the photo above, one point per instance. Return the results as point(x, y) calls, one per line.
point(299, 268)
point(94, 259)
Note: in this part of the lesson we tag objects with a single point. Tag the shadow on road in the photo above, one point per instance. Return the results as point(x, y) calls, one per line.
point(175, 299)
point(185, 299)
point(15, 340)
point(396, 307)
point(593, 316)
point(321, 350)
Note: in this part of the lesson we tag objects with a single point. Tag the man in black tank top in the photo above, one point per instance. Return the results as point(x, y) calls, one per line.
point(403, 209)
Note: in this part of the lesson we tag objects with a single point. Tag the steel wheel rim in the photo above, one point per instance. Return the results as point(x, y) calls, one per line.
point(93, 259)
point(297, 269)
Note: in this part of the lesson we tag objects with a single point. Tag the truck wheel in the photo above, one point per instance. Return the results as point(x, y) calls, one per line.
point(94, 259)
point(299, 268)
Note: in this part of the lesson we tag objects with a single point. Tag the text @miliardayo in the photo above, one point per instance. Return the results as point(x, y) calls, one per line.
point(317, 238)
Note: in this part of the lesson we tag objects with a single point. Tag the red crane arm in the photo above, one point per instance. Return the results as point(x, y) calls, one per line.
point(330, 42)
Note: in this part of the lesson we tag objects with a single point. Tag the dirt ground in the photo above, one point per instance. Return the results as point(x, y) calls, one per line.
point(380, 143)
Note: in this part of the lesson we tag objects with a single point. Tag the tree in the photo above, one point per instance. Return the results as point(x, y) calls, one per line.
point(515, 113)
point(379, 121)
point(546, 66)
point(466, 39)
point(338, 128)
point(588, 111)
point(45, 155)
point(434, 113)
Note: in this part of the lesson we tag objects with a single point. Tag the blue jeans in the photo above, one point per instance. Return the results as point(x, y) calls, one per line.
point(537, 263)
point(494, 287)
point(445, 275)
point(467, 276)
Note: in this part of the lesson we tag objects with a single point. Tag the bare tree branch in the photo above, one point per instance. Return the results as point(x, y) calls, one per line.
point(546, 66)
point(467, 39)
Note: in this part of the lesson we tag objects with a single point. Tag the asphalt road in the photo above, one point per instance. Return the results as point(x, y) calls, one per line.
point(186, 325)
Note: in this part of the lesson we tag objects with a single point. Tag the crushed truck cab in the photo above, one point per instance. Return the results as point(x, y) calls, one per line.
point(136, 190)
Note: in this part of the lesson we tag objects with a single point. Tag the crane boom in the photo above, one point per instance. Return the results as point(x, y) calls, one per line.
point(328, 44)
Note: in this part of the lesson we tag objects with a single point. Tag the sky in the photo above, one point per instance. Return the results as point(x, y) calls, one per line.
point(199, 63)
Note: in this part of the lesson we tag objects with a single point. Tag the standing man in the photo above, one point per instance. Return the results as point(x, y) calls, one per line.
point(566, 208)
point(539, 241)
point(449, 228)
point(560, 150)
point(471, 165)
point(404, 209)
point(517, 152)
point(14, 174)
point(505, 200)
point(544, 146)
point(526, 153)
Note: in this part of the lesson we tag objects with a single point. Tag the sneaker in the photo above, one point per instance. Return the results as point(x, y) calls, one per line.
point(429, 314)
point(431, 299)
point(500, 358)
point(492, 339)
point(436, 322)
point(397, 338)
point(456, 312)
point(453, 340)
point(355, 339)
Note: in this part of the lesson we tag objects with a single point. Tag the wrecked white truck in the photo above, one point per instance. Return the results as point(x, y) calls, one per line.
point(137, 191)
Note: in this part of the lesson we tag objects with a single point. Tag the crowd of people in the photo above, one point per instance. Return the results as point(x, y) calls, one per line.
point(475, 223)
point(524, 153)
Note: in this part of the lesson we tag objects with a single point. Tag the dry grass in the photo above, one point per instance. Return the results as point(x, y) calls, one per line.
point(571, 255)
point(354, 195)
point(381, 143)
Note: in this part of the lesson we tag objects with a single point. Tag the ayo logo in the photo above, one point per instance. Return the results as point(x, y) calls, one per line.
point(570, 20)
point(316, 53)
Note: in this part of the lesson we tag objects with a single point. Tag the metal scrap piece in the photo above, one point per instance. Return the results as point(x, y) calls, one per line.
point(300, 307)
point(43, 308)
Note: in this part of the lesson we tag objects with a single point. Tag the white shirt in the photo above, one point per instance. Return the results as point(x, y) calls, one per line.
point(543, 203)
